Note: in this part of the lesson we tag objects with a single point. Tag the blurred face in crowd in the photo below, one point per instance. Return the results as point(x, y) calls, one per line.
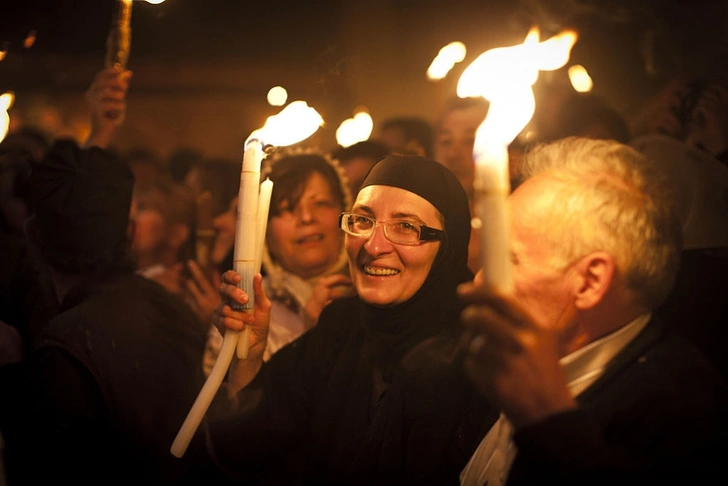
point(148, 224)
point(454, 141)
point(386, 273)
point(306, 239)
point(160, 217)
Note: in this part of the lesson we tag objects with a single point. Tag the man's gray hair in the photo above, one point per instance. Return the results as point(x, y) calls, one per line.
point(607, 196)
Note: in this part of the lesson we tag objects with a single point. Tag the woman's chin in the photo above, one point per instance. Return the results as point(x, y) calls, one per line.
point(376, 298)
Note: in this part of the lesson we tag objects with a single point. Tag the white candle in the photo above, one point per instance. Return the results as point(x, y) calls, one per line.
point(204, 398)
point(266, 189)
point(492, 186)
point(250, 232)
point(504, 76)
point(244, 263)
point(245, 231)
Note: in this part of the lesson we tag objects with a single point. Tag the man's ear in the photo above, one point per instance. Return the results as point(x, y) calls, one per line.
point(596, 272)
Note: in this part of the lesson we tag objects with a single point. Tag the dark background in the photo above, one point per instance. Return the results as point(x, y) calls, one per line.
point(202, 68)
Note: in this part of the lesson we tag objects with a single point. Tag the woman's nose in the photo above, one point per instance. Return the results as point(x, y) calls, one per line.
point(305, 213)
point(377, 241)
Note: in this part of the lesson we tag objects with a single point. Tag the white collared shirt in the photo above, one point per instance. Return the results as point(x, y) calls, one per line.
point(492, 460)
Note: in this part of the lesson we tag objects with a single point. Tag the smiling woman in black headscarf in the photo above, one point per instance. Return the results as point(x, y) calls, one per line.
point(375, 392)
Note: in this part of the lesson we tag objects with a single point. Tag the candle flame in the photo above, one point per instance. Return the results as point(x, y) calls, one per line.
point(6, 101)
point(294, 123)
point(445, 60)
point(155, 2)
point(580, 79)
point(3, 50)
point(354, 130)
point(505, 76)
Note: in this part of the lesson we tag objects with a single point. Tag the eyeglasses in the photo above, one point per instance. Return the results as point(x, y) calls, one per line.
point(397, 231)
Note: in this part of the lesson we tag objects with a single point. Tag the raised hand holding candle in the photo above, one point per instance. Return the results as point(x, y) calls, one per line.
point(244, 263)
point(504, 76)
point(118, 42)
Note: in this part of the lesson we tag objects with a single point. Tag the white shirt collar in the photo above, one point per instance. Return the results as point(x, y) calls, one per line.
point(584, 366)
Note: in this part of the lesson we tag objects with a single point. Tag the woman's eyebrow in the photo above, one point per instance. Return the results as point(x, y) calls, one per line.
point(401, 215)
point(362, 208)
point(397, 215)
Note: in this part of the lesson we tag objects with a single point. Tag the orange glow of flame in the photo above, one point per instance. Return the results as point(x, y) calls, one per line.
point(6, 101)
point(294, 123)
point(445, 60)
point(354, 130)
point(30, 39)
point(505, 76)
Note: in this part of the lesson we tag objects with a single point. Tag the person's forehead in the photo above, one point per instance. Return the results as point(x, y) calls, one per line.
point(317, 182)
point(526, 207)
point(462, 118)
point(389, 201)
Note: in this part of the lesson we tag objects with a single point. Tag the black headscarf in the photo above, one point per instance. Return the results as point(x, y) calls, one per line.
point(435, 305)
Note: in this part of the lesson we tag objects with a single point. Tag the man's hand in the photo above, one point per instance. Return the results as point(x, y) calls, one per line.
point(510, 358)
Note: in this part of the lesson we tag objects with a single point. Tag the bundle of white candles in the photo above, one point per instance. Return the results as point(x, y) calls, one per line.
point(296, 122)
point(253, 208)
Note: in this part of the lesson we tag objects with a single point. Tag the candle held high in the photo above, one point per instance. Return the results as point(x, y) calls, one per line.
point(505, 77)
point(118, 41)
point(294, 123)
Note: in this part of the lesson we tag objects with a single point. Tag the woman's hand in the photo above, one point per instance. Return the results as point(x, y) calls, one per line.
point(228, 319)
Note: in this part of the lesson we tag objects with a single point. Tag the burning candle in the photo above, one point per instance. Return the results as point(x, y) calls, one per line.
point(296, 122)
point(244, 259)
point(505, 77)
point(118, 42)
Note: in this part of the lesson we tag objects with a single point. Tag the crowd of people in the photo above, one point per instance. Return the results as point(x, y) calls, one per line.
point(379, 354)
